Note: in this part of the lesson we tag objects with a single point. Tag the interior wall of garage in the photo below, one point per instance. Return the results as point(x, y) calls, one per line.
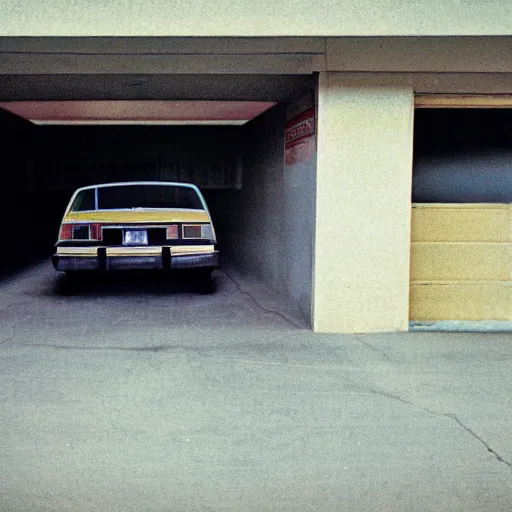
point(23, 225)
point(252, 217)
point(268, 223)
point(74, 156)
point(83, 155)
point(299, 205)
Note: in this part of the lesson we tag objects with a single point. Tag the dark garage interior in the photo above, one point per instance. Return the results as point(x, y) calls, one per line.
point(462, 156)
point(56, 160)
point(239, 168)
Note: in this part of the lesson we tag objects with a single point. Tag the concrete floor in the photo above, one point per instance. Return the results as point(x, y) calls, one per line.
point(142, 396)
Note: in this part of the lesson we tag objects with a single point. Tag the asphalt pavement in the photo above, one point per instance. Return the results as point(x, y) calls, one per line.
point(144, 394)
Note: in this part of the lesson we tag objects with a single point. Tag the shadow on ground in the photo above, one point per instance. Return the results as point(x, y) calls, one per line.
point(182, 298)
point(122, 283)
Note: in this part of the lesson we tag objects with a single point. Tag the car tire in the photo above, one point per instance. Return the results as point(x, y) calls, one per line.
point(71, 275)
point(66, 285)
point(203, 279)
point(73, 278)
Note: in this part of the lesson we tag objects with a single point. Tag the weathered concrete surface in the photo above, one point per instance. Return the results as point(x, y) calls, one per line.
point(137, 397)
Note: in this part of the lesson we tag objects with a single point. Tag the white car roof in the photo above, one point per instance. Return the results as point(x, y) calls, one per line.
point(124, 183)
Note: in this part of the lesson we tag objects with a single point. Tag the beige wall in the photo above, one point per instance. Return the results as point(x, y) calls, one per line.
point(461, 262)
point(255, 17)
point(364, 169)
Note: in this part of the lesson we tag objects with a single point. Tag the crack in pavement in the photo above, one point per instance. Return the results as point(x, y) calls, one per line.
point(451, 416)
point(266, 310)
point(375, 349)
point(153, 349)
point(11, 337)
point(402, 400)
point(275, 363)
point(13, 327)
point(15, 304)
point(476, 436)
point(200, 352)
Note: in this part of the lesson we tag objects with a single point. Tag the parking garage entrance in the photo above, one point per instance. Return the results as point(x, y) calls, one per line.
point(232, 148)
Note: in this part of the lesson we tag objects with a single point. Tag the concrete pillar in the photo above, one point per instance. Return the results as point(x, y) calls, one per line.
point(363, 207)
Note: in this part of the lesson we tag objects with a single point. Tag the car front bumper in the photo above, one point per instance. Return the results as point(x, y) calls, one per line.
point(160, 258)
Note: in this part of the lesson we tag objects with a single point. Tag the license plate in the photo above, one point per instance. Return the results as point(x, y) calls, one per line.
point(135, 237)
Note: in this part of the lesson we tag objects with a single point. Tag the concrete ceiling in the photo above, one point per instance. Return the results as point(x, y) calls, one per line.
point(137, 111)
point(169, 69)
point(213, 87)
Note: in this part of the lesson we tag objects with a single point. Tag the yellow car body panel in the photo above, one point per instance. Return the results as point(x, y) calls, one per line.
point(135, 216)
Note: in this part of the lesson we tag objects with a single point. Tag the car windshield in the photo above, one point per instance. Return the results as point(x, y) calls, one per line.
point(138, 196)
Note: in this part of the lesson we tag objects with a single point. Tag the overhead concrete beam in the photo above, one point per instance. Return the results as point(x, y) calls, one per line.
point(261, 87)
point(67, 63)
point(419, 54)
point(157, 55)
point(163, 45)
point(434, 83)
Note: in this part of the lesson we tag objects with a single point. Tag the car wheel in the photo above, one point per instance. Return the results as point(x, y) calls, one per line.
point(66, 285)
point(73, 277)
point(203, 278)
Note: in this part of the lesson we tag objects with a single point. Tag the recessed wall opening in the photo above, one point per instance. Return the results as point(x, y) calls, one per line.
point(234, 150)
point(462, 213)
point(462, 156)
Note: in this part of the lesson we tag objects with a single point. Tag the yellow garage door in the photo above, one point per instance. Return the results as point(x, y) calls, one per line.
point(461, 262)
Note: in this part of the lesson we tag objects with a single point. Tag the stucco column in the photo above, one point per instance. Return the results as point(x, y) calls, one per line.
point(363, 207)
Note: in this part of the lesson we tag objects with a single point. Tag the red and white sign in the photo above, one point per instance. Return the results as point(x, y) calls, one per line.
point(299, 138)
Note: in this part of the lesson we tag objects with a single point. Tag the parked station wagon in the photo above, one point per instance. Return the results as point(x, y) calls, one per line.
point(136, 225)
